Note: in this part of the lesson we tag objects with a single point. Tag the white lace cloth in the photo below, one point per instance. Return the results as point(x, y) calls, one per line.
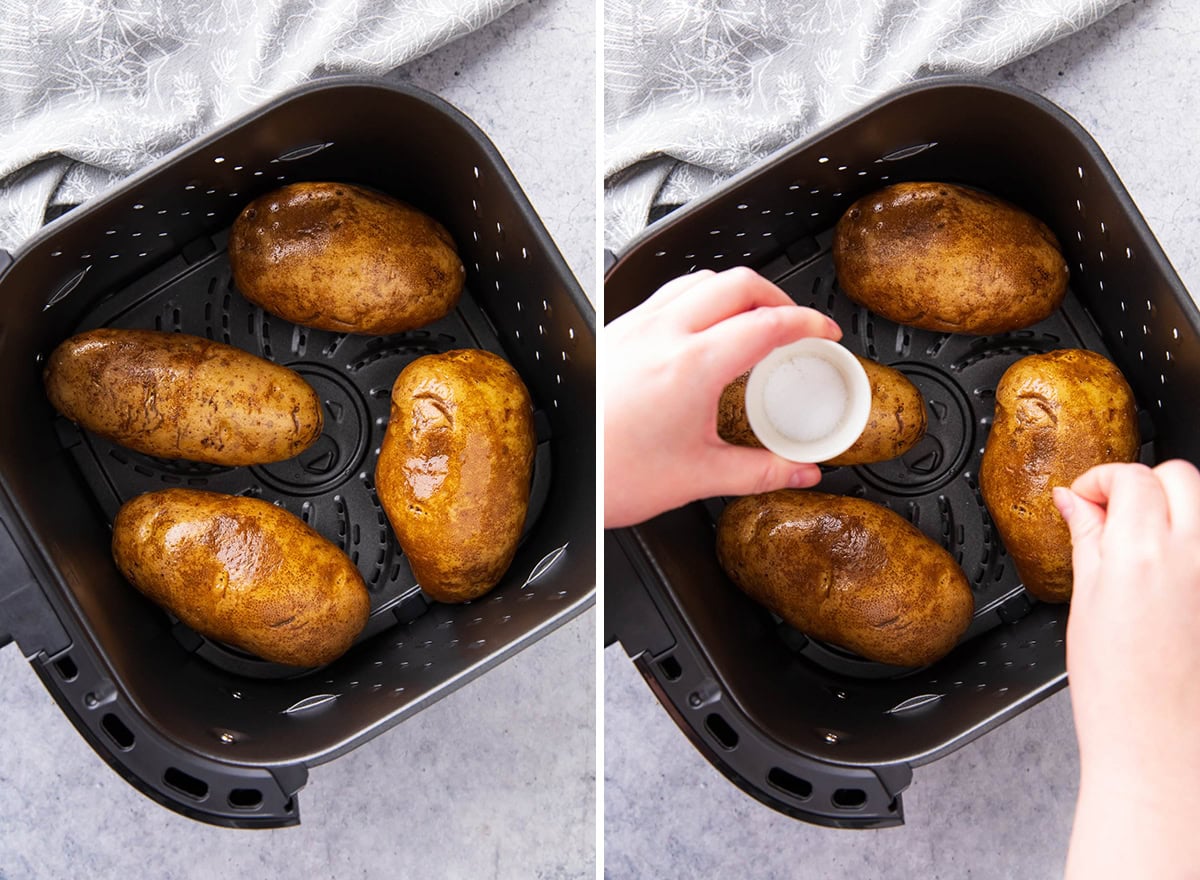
point(93, 90)
point(696, 91)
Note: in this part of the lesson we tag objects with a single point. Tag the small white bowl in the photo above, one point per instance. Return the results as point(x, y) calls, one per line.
point(801, 388)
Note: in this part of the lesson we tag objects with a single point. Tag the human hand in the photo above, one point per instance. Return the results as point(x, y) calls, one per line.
point(666, 363)
point(1133, 656)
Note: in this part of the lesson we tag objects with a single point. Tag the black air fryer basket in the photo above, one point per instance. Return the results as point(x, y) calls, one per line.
point(211, 732)
point(810, 730)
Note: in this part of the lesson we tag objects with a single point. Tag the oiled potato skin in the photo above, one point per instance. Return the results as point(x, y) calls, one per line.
point(173, 395)
point(895, 424)
point(1057, 415)
point(846, 571)
point(242, 571)
point(454, 470)
point(947, 258)
point(343, 258)
point(733, 426)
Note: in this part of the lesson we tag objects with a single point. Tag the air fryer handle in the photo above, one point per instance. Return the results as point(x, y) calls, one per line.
point(205, 789)
point(630, 614)
point(225, 793)
point(800, 786)
point(795, 784)
point(26, 615)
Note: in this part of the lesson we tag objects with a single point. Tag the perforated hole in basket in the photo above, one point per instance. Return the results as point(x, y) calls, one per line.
point(330, 486)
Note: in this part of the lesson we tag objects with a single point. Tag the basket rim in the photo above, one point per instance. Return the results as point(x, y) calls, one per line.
point(322, 84)
point(634, 259)
point(939, 82)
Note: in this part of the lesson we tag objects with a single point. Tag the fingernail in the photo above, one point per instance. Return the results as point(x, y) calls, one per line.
point(834, 328)
point(1064, 501)
point(803, 478)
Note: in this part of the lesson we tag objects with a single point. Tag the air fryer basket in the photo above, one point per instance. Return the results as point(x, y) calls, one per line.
point(808, 729)
point(208, 731)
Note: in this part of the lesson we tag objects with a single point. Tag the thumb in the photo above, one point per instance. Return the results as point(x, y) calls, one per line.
point(1086, 521)
point(739, 470)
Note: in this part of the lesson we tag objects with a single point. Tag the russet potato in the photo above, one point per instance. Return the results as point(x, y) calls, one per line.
point(1057, 415)
point(172, 395)
point(338, 257)
point(847, 571)
point(454, 470)
point(948, 258)
point(895, 424)
point(244, 572)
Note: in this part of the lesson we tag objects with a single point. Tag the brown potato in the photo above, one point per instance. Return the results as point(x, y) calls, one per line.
point(847, 571)
point(733, 425)
point(177, 396)
point(1057, 415)
point(454, 470)
point(896, 422)
point(244, 572)
point(947, 258)
point(343, 258)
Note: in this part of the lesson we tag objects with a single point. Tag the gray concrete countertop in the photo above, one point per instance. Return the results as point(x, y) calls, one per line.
point(498, 779)
point(1002, 806)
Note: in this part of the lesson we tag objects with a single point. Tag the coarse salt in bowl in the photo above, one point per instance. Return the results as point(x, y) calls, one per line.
point(808, 401)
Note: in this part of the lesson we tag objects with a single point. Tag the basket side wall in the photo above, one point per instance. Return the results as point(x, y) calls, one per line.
point(770, 217)
point(156, 225)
